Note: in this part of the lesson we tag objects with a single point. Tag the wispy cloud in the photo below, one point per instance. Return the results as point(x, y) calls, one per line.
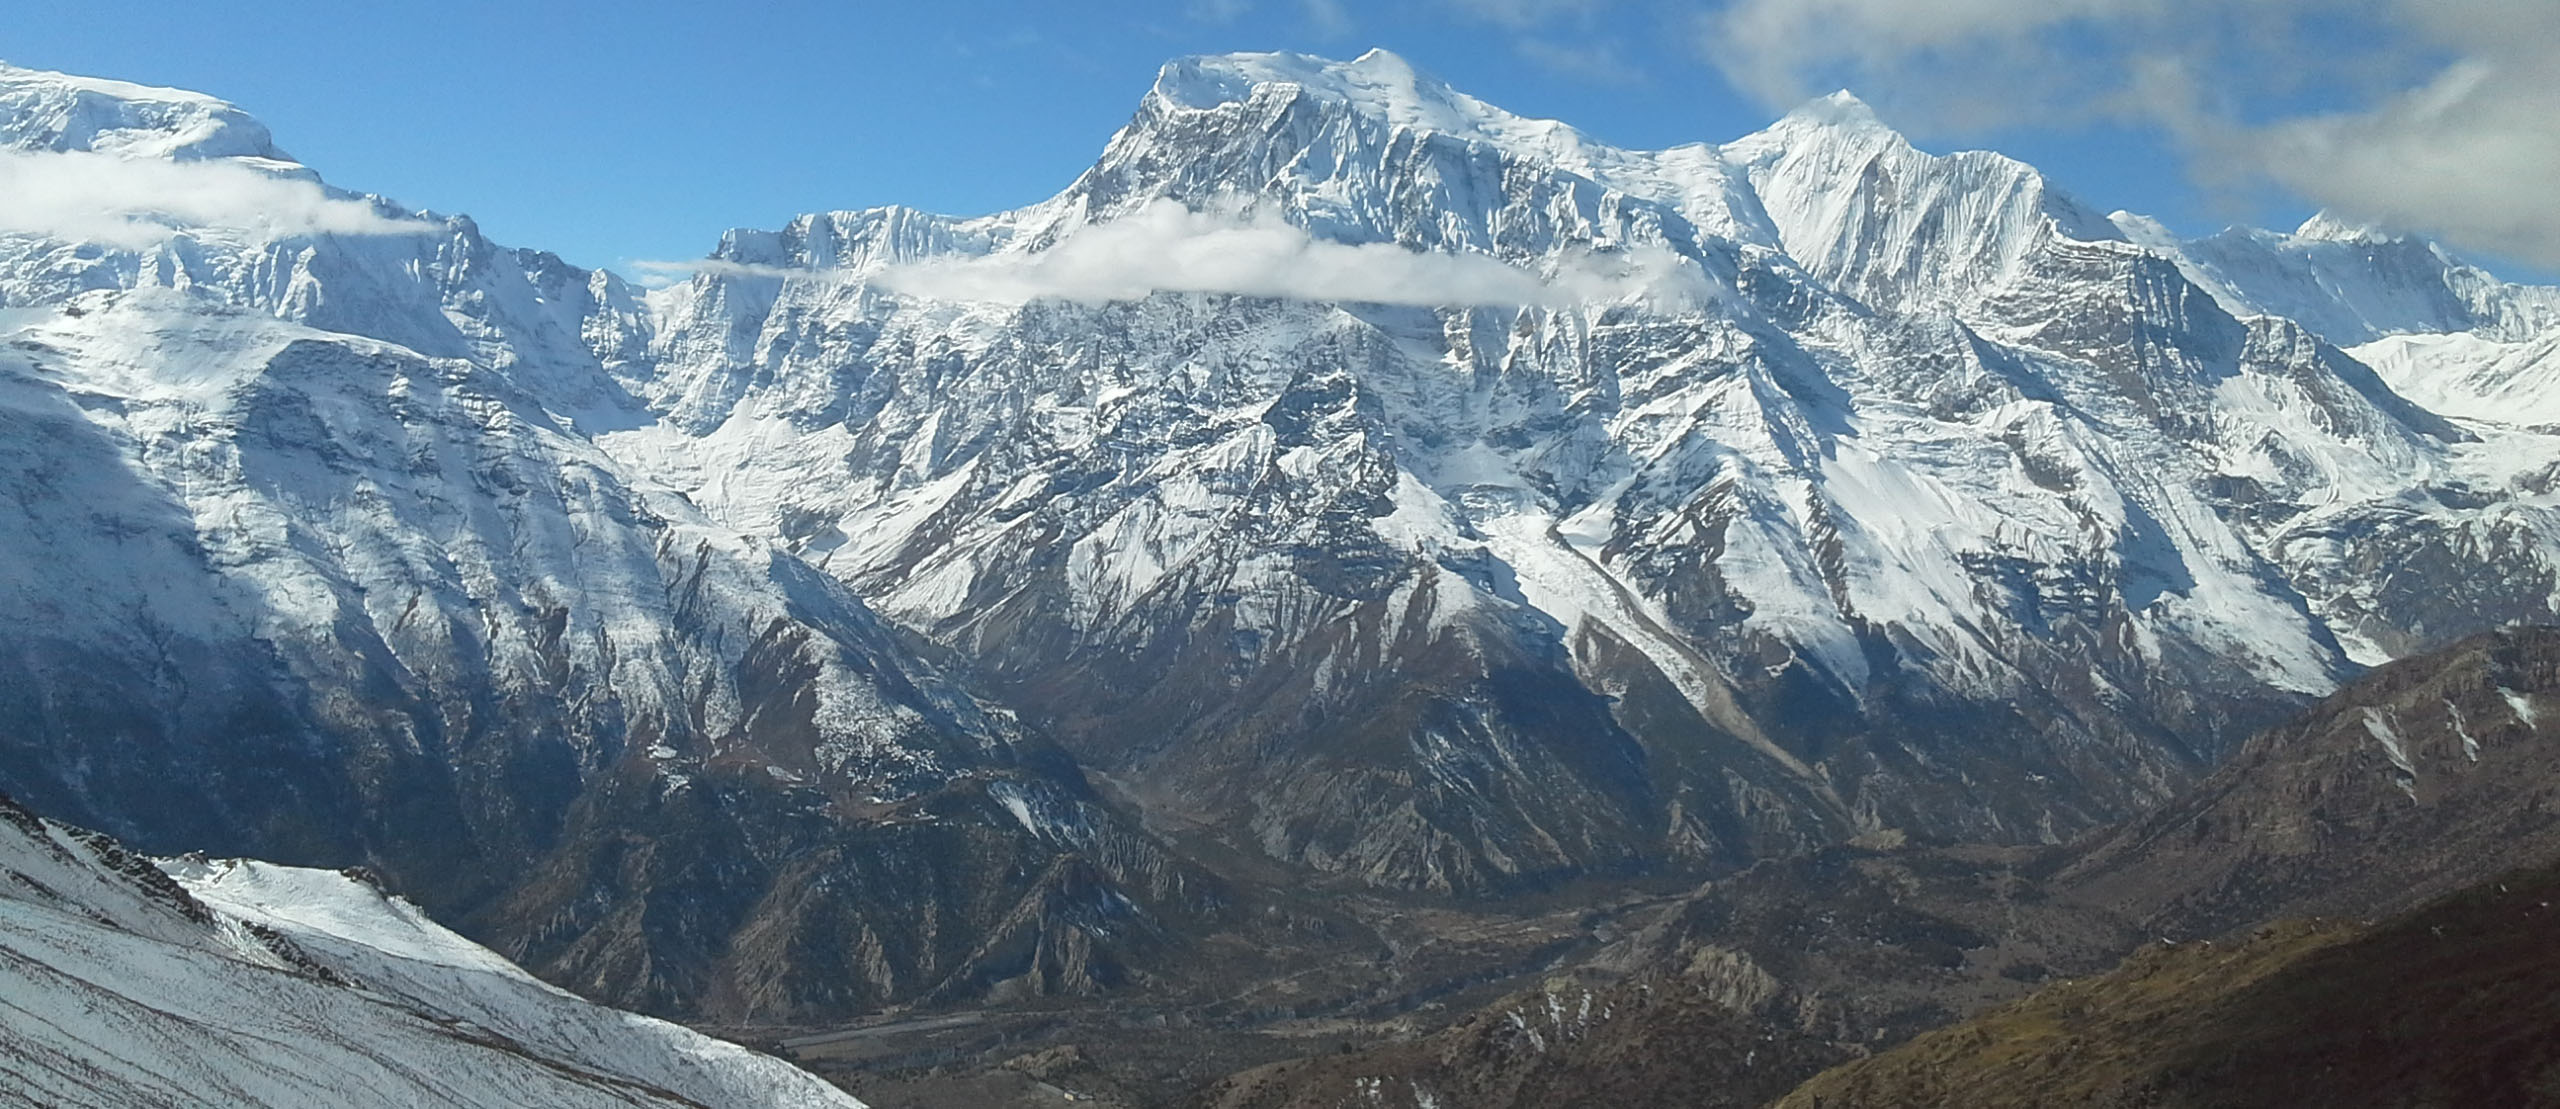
point(1217, 11)
point(1599, 63)
point(1523, 15)
point(1939, 54)
point(1165, 247)
point(656, 274)
point(1569, 38)
point(2439, 114)
point(1328, 18)
point(131, 203)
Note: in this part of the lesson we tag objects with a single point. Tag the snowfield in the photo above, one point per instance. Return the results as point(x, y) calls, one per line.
point(242, 983)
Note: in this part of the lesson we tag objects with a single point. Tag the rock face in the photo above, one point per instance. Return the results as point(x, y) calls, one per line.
point(1645, 1043)
point(743, 648)
point(242, 983)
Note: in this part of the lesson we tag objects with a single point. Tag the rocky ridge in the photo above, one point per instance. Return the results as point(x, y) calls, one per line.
point(1997, 968)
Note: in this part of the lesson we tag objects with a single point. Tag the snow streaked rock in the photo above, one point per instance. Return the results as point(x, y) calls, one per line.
point(1945, 451)
point(1942, 502)
point(312, 555)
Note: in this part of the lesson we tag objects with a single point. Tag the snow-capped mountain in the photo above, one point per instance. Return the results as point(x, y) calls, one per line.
point(236, 982)
point(1944, 503)
point(1654, 509)
point(311, 556)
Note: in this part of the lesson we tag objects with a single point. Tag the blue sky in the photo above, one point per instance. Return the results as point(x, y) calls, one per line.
point(618, 132)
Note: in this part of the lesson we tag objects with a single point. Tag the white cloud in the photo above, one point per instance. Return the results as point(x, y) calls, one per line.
point(1328, 18)
point(1522, 15)
point(656, 273)
point(134, 202)
point(2472, 154)
point(2441, 117)
point(1570, 38)
point(1165, 247)
point(1599, 63)
point(1783, 51)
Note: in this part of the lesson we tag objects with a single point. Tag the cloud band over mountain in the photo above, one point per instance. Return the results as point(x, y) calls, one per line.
point(134, 202)
point(1166, 247)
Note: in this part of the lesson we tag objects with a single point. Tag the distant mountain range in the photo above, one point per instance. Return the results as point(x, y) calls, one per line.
point(1342, 485)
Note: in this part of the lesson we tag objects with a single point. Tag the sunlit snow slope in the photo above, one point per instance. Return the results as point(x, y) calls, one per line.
point(244, 984)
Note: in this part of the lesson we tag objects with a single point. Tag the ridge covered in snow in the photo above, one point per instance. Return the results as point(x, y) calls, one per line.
point(243, 983)
point(62, 113)
point(316, 558)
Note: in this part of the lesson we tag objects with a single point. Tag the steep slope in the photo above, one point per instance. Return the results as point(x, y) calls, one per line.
point(248, 984)
point(2479, 378)
point(2351, 284)
point(2423, 777)
point(1112, 506)
point(1857, 948)
point(2441, 331)
point(2451, 1004)
point(1885, 449)
point(311, 558)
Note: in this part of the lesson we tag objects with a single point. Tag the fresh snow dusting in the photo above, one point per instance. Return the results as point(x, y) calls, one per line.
point(391, 947)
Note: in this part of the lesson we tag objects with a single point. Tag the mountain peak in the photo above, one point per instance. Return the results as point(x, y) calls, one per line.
point(1841, 109)
point(2329, 226)
point(1379, 83)
point(41, 110)
point(1838, 122)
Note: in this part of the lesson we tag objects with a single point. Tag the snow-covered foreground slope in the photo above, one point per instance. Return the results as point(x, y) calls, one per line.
point(242, 983)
